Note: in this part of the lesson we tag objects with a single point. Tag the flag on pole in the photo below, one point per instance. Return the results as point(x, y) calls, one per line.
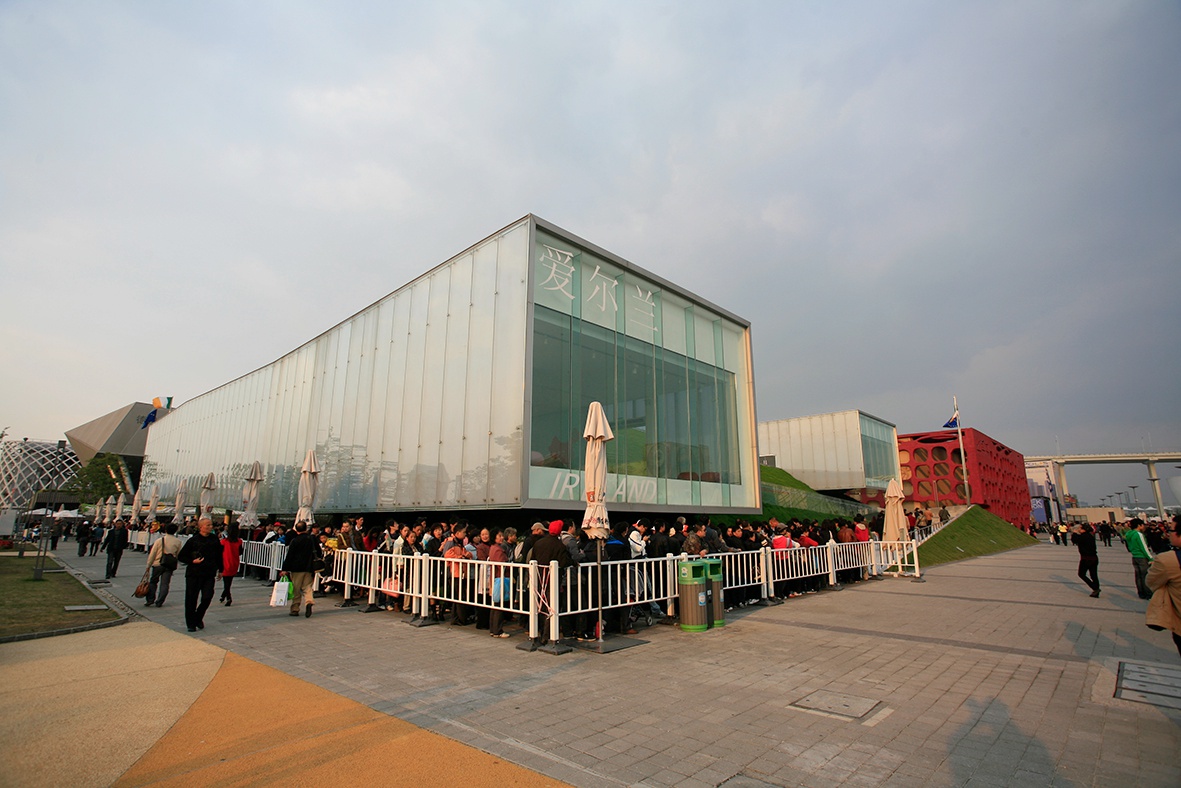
point(954, 421)
point(151, 417)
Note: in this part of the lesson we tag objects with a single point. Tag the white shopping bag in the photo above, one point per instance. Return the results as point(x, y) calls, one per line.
point(281, 594)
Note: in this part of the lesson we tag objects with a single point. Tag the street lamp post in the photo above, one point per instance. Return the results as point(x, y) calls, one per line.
point(1133, 487)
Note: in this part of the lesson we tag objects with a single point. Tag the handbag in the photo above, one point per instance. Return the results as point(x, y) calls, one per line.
point(502, 590)
point(391, 587)
point(281, 593)
point(141, 590)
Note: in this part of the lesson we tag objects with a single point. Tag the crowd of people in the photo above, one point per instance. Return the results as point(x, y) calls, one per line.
point(562, 541)
point(1154, 548)
point(1155, 551)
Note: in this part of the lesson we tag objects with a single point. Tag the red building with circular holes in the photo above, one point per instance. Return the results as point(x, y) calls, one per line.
point(933, 473)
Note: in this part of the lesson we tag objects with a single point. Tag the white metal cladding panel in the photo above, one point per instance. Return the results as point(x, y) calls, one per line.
point(416, 402)
point(823, 451)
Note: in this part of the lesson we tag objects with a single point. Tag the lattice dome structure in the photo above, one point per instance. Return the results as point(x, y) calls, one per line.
point(27, 467)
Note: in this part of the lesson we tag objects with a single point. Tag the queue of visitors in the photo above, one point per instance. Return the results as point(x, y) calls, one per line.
point(562, 541)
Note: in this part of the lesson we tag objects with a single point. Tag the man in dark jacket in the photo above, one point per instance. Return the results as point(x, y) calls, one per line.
point(115, 543)
point(302, 551)
point(201, 556)
point(658, 544)
point(547, 549)
point(82, 534)
point(1088, 557)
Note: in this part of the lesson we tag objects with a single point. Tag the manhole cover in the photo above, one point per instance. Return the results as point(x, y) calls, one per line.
point(1154, 684)
point(837, 703)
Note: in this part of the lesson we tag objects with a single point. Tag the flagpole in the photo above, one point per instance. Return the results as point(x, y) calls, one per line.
point(963, 457)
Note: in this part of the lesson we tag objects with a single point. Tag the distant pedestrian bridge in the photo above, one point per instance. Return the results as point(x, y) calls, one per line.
point(1150, 458)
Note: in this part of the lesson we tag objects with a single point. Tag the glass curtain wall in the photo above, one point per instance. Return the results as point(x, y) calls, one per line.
point(672, 377)
point(879, 451)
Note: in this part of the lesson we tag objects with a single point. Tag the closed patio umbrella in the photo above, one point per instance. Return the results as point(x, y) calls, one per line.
point(894, 529)
point(107, 511)
point(208, 488)
point(307, 488)
point(178, 512)
point(136, 505)
point(153, 503)
point(98, 512)
point(249, 518)
point(119, 506)
point(594, 480)
point(594, 483)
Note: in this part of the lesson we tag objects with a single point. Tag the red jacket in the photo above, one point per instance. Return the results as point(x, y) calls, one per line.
point(231, 552)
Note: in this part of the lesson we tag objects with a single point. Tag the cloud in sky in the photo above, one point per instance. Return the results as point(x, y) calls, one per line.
point(907, 200)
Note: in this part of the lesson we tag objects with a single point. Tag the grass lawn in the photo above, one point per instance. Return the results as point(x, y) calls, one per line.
point(28, 605)
point(781, 478)
point(975, 532)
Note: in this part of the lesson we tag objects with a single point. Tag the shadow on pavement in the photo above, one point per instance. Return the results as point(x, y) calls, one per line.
point(990, 725)
point(1112, 593)
point(1094, 644)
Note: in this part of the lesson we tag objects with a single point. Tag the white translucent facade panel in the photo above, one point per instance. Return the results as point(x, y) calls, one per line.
point(823, 451)
point(415, 403)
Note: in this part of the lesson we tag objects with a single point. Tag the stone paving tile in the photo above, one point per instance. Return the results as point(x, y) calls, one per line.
point(987, 670)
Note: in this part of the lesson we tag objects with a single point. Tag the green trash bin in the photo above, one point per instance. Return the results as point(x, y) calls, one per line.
point(691, 596)
point(713, 584)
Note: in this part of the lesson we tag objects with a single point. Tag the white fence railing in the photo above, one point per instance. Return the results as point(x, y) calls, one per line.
point(529, 590)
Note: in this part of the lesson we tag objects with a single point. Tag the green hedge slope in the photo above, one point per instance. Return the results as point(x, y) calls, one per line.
point(975, 532)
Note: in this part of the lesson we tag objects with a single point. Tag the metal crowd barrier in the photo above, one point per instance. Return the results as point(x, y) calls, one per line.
point(528, 590)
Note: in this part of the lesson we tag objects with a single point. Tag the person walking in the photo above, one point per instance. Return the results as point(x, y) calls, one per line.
point(1164, 578)
point(201, 556)
point(96, 538)
point(299, 565)
point(1141, 558)
point(231, 557)
point(1088, 557)
point(82, 534)
point(115, 543)
point(163, 562)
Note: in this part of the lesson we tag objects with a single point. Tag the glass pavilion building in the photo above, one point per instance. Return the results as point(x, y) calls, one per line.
point(468, 389)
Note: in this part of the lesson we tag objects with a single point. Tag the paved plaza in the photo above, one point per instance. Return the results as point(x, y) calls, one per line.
point(995, 671)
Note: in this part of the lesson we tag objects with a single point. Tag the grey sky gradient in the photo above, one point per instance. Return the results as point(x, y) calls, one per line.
point(908, 200)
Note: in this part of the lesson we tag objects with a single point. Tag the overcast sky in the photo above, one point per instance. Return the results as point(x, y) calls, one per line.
point(908, 200)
